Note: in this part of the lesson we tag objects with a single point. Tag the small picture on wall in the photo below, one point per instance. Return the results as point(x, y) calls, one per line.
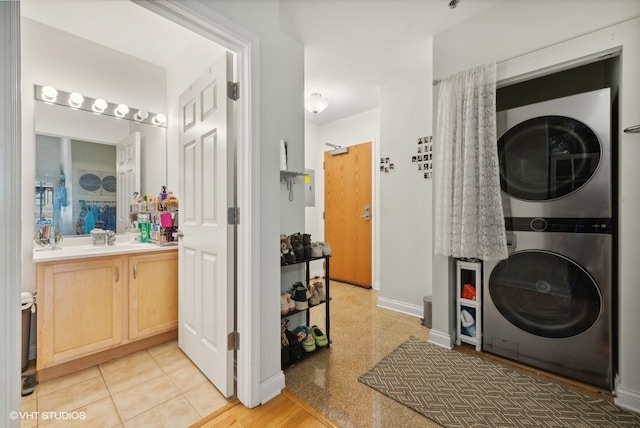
point(414, 159)
point(392, 166)
point(381, 160)
point(386, 160)
point(381, 168)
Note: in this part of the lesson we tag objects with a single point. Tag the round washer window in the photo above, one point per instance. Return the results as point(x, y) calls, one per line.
point(547, 157)
point(545, 294)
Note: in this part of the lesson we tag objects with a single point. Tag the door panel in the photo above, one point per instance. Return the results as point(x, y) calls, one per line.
point(347, 226)
point(206, 251)
point(128, 177)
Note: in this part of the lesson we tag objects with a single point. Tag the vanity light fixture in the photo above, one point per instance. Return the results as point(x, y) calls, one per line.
point(141, 115)
point(76, 100)
point(121, 110)
point(160, 119)
point(49, 94)
point(99, 105)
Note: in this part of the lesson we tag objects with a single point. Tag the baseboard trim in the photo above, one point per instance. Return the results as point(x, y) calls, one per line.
point(627, 399)
point(402, 307)
point(272, 387)
point(439, 338)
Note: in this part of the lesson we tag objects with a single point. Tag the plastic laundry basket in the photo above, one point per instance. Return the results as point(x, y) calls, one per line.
point(28, 307)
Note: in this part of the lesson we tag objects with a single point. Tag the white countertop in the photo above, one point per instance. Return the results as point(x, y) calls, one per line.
point(84, 249)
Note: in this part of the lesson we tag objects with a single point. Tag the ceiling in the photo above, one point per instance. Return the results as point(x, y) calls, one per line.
point(351, 46)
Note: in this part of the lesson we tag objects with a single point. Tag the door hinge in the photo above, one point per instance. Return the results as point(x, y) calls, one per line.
point(323, 215)
point(233, 215)
point(233, 90)
point(233, 341)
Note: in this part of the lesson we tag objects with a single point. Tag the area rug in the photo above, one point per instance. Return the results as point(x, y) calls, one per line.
point(458, 389)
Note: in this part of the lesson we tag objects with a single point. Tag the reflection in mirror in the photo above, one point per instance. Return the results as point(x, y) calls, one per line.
point(48, 236)
point(75, 185)
point(77, 153)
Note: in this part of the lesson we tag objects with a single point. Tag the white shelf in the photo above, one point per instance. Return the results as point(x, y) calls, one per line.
point(469, 273)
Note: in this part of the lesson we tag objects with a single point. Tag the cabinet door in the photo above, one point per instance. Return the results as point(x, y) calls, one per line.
point(153, 294)
point(80, 308)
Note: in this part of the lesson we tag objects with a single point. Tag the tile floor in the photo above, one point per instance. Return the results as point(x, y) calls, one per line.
point(157, 387)
point(361, 335)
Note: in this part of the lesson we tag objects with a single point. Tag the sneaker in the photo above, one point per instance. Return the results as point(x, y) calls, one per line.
point(319, 287)
point(316, 249)
point(326, 249)
point(284, 304)
point(300, 296)
point(305, 339)
point(290, 302)
point(315, 297)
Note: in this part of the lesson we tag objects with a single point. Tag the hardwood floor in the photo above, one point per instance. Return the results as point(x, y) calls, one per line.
point(285, 410)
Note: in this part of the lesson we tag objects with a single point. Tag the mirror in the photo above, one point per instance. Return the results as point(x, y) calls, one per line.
point(75, 183)
point(48, 236)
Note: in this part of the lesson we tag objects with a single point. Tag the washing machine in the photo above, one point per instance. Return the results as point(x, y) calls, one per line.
point(548, 305)
point(555, 157)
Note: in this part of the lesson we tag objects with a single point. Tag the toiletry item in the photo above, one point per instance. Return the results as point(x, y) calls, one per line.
point(145, 228)
point(98, 235)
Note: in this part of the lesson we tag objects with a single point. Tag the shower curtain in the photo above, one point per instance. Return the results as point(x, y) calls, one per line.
point(469, 220)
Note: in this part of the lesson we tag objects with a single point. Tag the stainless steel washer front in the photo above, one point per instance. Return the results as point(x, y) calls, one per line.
point(548, 304)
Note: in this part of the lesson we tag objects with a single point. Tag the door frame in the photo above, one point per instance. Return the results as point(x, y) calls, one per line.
point(244, 45)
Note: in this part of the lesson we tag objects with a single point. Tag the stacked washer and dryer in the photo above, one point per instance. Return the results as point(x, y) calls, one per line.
point(549, 304)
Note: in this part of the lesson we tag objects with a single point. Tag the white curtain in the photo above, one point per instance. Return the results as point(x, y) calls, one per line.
point(469, 216)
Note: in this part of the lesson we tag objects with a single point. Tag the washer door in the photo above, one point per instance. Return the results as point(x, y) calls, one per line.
point(545, 294)
point(547, 157)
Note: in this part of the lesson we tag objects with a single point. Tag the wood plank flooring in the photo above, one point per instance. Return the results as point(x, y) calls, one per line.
point(285, 410)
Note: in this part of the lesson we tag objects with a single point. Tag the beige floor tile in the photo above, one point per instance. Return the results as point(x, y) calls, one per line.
point(163, 347)
point(177, 412)
point(74, 396)
point(101, 413)
point(171, 359)
point(67, 380)
point(186, 376)
point(129, 371)
point(206, 398)
point(140, 398)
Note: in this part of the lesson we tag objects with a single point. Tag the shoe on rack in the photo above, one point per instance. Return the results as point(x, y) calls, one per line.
point(305, 339)
point(319, 287)
point(298, 247)
point(291, 302)
point(300, 296)
point(326, 249)
point(316, 249)
point(315, 297)
point(306, 245)
point(319, 337)
point(284, 304)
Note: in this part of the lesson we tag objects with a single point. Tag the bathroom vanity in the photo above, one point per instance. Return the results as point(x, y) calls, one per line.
point(99, 303)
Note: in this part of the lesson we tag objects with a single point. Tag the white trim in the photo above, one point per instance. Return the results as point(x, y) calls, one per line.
point(402, 307)
point(245, 45)
point(627, 399)
point(271, 387)
point(10, 213)
point(441, 339)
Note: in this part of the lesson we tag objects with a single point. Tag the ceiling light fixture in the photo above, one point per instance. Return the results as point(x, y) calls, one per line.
point(49, 94)
point(121, 110)
point(159, 119)
point(76, 100)
point(99, 105)
point(141, 115)
point(315, 103)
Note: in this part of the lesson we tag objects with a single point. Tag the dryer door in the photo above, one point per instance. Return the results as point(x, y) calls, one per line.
point(547, 157)
point(545, 294)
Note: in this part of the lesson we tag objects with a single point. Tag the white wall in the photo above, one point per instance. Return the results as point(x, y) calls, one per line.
point(360, 128)
point(524, 46)
point(54, 57)
point(405, 195)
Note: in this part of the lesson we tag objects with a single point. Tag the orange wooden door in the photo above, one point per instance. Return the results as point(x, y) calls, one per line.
point(347, 195)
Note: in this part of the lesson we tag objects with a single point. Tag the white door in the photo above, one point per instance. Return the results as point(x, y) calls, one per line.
point(206, 250)
point(128, 177)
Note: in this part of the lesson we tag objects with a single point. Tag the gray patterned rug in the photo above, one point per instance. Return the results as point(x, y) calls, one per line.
point(456, 389)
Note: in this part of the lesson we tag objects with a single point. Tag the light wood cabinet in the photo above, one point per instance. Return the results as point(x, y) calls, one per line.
point(80, 308)
point(153, 294)
point(92, 306)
